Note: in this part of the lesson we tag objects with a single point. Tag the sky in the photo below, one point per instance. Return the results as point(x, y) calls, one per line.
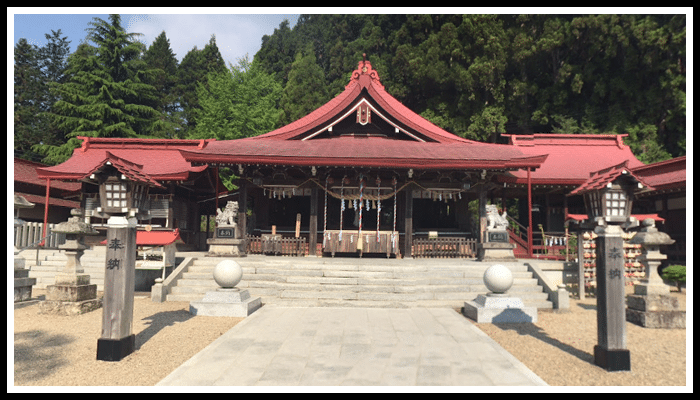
point(238, 31)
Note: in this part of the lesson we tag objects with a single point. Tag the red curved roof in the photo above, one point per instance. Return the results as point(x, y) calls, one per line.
point(664, 175)
point(363, 152)
point(572, 157)
point(158, 159)
point(599, 179)
point(419, 143)
point(364, 77)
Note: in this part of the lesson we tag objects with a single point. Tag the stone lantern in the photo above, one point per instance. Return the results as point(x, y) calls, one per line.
point(23, 283)
point(123, 198)
point(608, 195)
point(72, 293)
point(651, 305)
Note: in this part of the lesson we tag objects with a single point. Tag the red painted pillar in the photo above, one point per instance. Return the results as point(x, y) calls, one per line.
point(529, 213)
point(46, 211)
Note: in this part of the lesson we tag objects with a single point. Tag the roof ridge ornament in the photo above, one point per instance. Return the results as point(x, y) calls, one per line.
point(364, 67)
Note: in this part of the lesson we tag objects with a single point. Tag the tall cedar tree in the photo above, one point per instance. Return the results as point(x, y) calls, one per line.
point(161, 60)
point(193, 69)
point(28, 84)
point(106, 95)
point(305, 90)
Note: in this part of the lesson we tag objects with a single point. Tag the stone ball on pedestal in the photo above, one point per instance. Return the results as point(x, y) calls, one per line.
point(498, 278)
point(228, 273)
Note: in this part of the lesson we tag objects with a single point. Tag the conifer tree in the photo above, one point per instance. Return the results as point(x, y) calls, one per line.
point(28, 84)
point(105, 95)
point(306, 88)
point(161, 61)
point(193, 69)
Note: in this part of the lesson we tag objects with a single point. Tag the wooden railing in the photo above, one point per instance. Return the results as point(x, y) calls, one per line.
point(444, 247)
point(277, 245)
point(29, 236)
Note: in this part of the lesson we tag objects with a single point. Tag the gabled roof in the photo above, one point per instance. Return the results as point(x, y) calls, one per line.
point(413, 142)
point(571, 157)
point(132, 171)
point(364, 86)
point(599, 179)
point(159, 159)
point(26, 172)
point(664, 175)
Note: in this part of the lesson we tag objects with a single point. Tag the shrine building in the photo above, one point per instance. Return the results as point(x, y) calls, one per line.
point(360, 174)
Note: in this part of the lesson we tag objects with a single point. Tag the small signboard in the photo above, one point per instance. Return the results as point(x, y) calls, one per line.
point(224, 232)
point(498, 237)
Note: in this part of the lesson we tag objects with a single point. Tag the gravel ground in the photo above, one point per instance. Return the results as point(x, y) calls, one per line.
point(559, 349)
point(61, 351)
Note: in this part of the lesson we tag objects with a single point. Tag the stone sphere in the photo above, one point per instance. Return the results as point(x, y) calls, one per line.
point(498, 278)
point(228, 273)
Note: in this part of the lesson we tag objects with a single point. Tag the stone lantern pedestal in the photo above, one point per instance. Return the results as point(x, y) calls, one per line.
point(72, 293)
point(23, 283)
point(651, 305)
point(498, 306)
point(226, 301)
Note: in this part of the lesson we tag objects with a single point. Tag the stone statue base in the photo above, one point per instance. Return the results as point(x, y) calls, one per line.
point(226, 302)
point(71, 295)
point(225, 247)
point(494, 308)
point(655, 311)
point(23, 283)
point(495, 251)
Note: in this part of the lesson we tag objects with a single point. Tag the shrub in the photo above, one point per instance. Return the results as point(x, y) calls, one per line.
point(675, 273)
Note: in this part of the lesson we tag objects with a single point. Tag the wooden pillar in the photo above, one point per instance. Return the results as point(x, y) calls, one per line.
point(581, 272)
point(313, 221)
point(117, 341)
point(243, 207)
point(408, 242)
point(611, 351)
point(529, 213)
point(483, 220)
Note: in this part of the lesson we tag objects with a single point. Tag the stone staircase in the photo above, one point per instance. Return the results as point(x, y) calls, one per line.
point(52, 262)
point(361, 282)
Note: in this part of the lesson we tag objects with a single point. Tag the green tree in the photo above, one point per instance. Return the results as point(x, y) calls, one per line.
point(160, 59)
point(277, 51)
point(193, 69)
point(106, 95)
point(28, 82)
point(305, 90)
point(237, 103)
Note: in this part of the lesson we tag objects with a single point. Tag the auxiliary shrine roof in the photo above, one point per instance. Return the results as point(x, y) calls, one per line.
point(148, 160)
point(571, 157)
point(364, 126)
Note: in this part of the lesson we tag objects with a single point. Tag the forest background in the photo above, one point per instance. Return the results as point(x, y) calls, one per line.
point(477, 76)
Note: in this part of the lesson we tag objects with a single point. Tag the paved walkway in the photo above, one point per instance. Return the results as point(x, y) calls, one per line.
point(292, 346)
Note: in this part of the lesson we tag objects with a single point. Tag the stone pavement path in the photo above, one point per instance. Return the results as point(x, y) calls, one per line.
point(353, 346)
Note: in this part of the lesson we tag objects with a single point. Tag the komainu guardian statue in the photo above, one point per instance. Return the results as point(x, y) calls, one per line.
point(495, 220)
point(228, 216)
